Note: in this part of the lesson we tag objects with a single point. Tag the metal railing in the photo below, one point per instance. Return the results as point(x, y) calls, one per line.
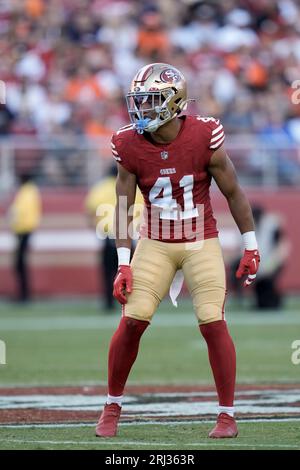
point(78, 161)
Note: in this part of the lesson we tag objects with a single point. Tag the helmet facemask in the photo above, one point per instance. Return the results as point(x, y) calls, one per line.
point(148, 110)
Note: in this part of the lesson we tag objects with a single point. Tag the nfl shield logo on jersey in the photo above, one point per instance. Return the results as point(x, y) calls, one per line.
point(164, 155)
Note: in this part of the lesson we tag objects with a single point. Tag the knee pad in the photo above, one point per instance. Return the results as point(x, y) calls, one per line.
point(209, 313)
point(141, 309)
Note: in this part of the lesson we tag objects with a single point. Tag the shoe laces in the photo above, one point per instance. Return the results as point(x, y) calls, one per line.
point(113, 409)
point(224, 417)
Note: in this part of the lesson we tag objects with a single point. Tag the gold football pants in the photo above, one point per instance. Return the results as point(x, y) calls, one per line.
point(154, 265)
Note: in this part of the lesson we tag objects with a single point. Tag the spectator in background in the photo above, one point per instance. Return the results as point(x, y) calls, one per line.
point(25, 215)
point(83, 87)
point(60, 53)
point(274, 250)
point(240, 59)
point(6, 119)
point(96, 125)
point(152, 38)
point(104, 193)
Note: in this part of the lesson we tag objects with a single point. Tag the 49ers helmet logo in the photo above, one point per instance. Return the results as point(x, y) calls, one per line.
point(170, 76)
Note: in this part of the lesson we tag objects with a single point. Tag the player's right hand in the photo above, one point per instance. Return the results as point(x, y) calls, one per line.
point(122, 283)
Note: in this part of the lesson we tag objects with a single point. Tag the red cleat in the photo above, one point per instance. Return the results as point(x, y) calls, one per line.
point(108, 422)
point(225, 427)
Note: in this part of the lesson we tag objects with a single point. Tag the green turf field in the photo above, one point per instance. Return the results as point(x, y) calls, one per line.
point(65, 343)
point(172, 437)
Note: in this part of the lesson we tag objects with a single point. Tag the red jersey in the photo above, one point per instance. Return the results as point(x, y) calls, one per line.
point(174, 177)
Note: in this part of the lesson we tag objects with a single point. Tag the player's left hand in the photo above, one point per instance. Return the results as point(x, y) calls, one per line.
point(248, 265)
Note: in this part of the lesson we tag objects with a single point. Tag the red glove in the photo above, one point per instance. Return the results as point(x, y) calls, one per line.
point(248, 265)
point(122, 283)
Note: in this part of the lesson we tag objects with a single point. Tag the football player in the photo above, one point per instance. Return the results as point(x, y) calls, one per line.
point(173, 158)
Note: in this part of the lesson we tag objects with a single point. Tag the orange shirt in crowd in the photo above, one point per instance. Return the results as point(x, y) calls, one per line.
point(256, 74)
point(83, 90)
point(151, 41)
point(94, 129)
point(34, 8)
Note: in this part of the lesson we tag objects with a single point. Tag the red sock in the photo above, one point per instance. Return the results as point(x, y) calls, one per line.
point(123, 351)
point(221, 353)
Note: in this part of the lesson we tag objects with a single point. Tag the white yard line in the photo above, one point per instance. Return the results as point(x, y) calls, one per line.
point(95, 443)
point(233, 444)
point(144, 423)
point(227, 443)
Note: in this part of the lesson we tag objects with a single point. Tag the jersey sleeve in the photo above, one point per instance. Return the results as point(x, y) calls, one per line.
point(216, 134)
point(120, 153)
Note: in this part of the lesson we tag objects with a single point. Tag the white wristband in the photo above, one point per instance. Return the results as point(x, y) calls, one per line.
point(123, 255)
point(249, 240)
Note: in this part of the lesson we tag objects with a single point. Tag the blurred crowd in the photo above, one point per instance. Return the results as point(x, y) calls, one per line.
point(68, 63)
